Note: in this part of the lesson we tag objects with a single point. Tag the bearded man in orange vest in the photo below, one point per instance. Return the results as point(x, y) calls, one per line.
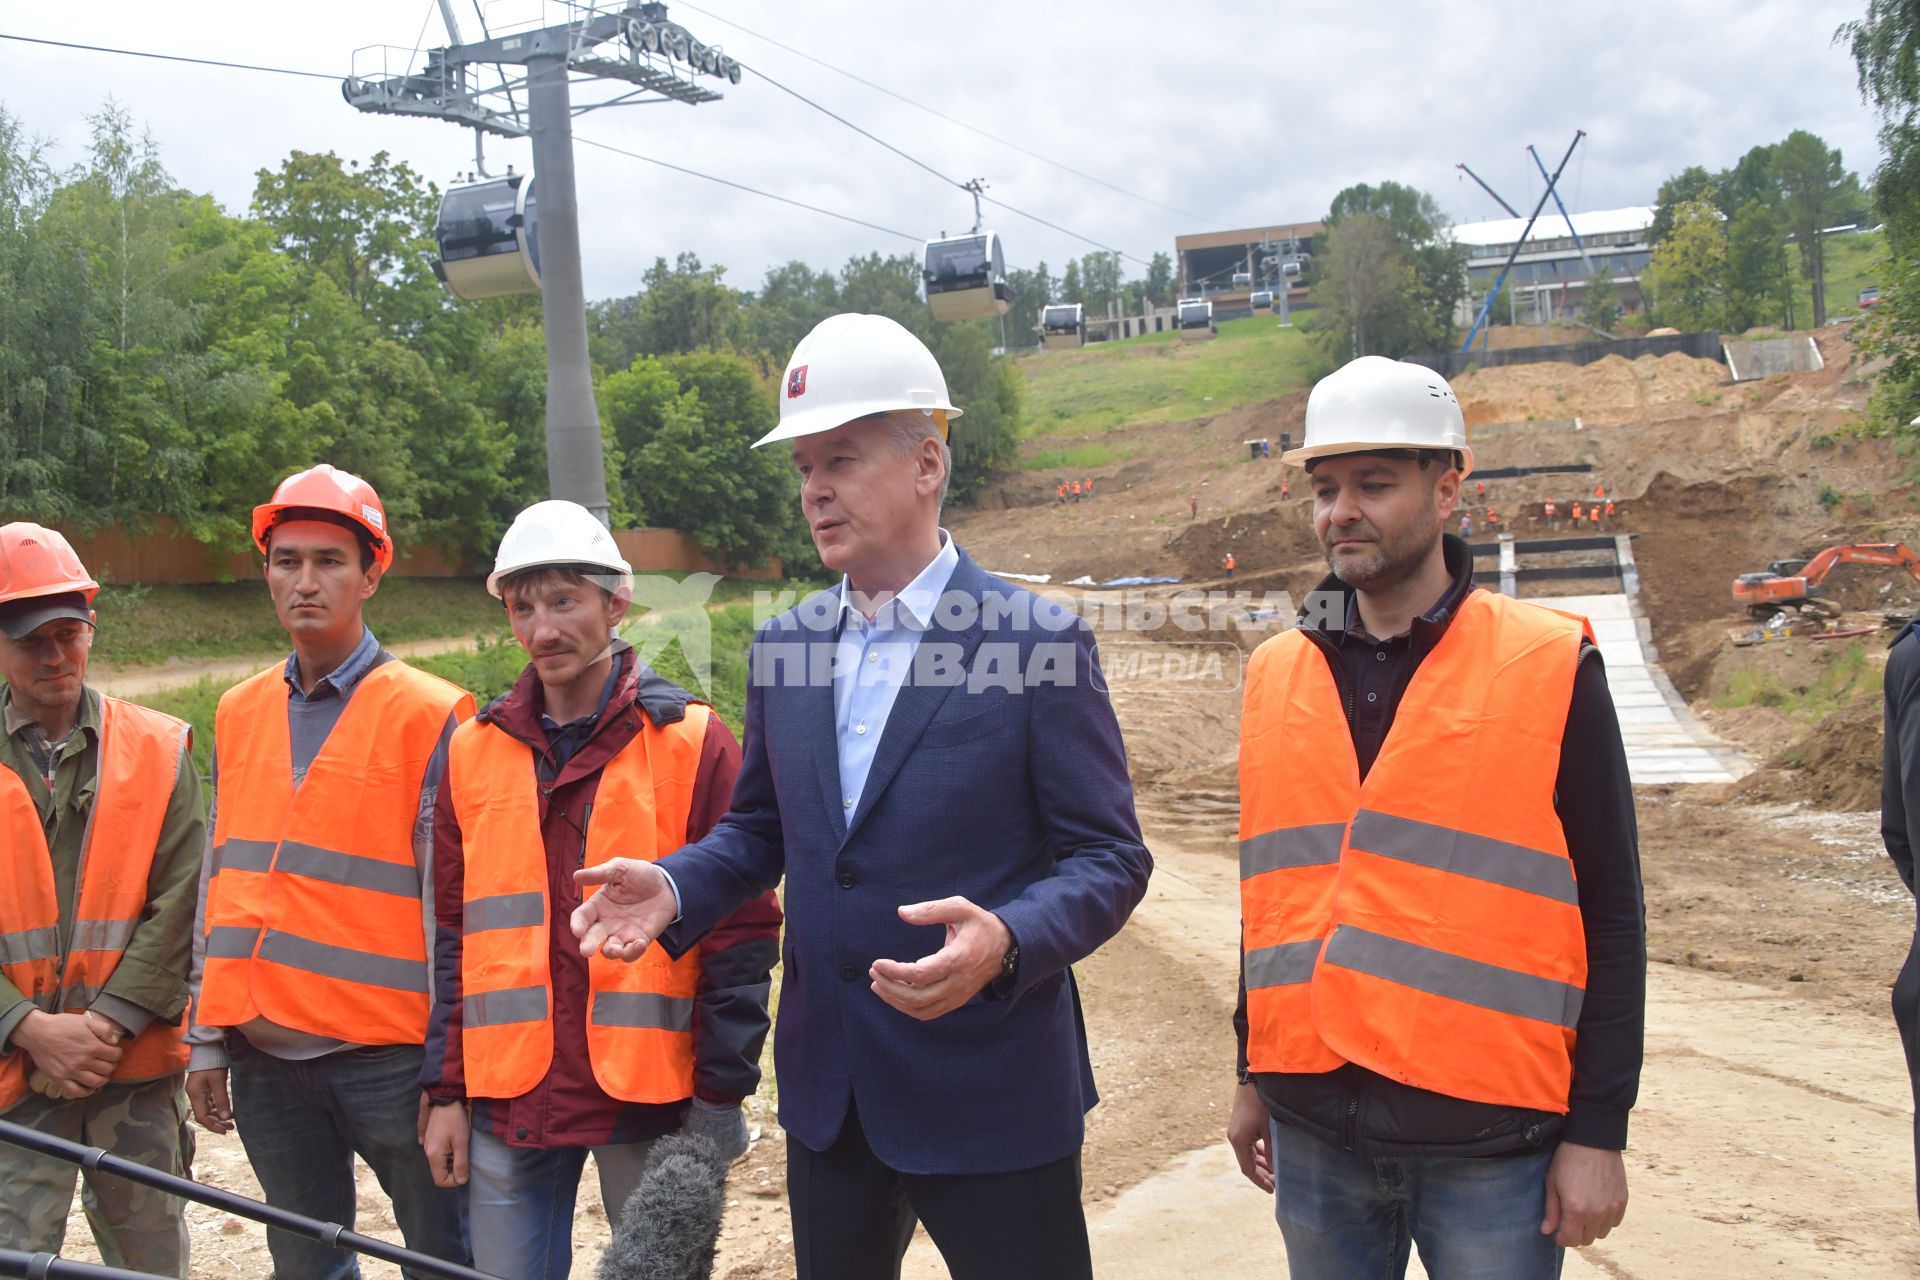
point(1440, 1037)
point(591, 755)
point(311, 967)
point(100, 805)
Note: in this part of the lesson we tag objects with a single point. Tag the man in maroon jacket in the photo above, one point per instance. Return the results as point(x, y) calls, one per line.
point(556, 1058)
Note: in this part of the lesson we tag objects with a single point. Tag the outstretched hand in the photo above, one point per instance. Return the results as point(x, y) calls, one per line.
point(953, 975)
point(633, 907)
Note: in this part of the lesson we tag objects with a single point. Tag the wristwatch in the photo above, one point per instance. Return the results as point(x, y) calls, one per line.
point(1009, 965)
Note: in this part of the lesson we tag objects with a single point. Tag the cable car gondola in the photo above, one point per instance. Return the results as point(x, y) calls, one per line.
point(487, 234)
point(1196, 320)
point(966, 277)
point(1262, 302)
point(1062, 326)
point(1243, 279)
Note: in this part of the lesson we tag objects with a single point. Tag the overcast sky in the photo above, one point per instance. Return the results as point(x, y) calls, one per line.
point(1239, 114)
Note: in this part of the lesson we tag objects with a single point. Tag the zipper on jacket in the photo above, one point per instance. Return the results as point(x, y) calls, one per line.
point(1340, 682)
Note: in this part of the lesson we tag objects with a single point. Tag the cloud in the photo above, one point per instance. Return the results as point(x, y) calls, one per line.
point(1241, 114)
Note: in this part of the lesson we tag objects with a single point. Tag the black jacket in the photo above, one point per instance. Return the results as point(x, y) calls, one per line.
point(1900, 828)
point(1361, 1111)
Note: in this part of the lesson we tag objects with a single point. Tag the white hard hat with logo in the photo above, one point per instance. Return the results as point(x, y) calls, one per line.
point(1373, 403)
point(558, 532)
point(854, 365)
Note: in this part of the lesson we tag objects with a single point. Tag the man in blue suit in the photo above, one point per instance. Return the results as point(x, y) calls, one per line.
point(932, 762)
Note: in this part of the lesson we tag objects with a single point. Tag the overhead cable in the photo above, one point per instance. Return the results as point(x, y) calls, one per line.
point(919, 163)
point(935, 111)
point(634, 155)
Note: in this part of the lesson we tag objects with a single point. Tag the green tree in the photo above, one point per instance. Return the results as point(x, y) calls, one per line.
point(1159, 281)
point(368, 229)
point(1101, 281)
point(1885, 45)
point(1757, 272)
point(1687, 276)
point(1689, 184)
point(1369, 290)
point(1602, 302)
point(1415, 314)
point(1070, 286)
point(1816, 192)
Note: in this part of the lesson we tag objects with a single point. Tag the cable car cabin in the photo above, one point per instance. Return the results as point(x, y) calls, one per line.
point(1196, 320)
point(966, 278)
point(1262, 302)
point(1242, 279)
point(1062, 326)
point(488, 237)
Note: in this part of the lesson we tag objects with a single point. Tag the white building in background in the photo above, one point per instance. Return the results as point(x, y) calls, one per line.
point(1551, 271)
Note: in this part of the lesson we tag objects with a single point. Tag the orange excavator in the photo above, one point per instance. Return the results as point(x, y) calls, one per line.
point(1795, 584)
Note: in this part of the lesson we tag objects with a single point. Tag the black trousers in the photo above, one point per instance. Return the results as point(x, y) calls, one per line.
point(853, 1216)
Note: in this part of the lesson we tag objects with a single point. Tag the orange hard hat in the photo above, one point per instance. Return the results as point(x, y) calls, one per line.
point(327, 488)
point(36, 561)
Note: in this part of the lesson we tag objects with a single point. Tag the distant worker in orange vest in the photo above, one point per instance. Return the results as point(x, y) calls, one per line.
point(311, 947)
point(1479, 489)
point(1578, 515)
point(1553, 515)
point(100, 807)
point(1600, 491)
point(1062, 490)
point(1076, 491)
point(1609, 513)
point(1089, 487)
point(1593, 515)
point(1228, 562)
point(590, 755)
point(1423, 984)
point(1493, 521)
point(1286, 489)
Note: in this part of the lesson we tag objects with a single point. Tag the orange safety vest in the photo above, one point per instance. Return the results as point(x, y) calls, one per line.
point(1229, 560)
point(1419, 924)
point(1493, 517)
point(1593, 514)
point(639, 1015)
point(140, 753)
point(313, 913)
point(1576, 511)
point(1609, 506)
point(1550, 506)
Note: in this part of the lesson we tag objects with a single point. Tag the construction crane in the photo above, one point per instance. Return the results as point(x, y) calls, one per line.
point(1795, 584)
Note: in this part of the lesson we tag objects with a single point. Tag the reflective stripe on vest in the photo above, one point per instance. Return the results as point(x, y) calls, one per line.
point(1422, 924)
point(314, 915)
point(639, 1018)
point(138, 765)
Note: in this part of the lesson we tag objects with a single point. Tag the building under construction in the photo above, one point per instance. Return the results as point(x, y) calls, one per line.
point(1552, 272)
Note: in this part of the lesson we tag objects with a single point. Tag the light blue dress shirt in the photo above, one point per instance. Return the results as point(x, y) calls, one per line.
point(873, 659)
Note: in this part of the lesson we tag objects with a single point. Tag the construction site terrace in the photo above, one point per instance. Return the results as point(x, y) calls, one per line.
point(1772, 1133)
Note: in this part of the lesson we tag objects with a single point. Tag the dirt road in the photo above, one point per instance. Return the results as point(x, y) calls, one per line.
point(142, 682)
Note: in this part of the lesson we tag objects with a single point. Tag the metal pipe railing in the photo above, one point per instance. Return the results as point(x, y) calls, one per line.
point(97, 1159)
point(45, 1266)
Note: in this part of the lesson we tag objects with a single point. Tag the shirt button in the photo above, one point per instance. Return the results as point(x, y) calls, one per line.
point(847, 974)
point(1379, 655)
point(846, 802)
point(873, 657)
point(846, 879)
point(521, 1133)
point(1373, 697)
point(860, 728)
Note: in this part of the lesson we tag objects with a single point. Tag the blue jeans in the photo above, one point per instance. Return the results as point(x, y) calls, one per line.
point(1348, 1217)
point(303, 1122)
point(521, 1201)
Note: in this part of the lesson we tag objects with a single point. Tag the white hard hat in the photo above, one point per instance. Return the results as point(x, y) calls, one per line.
point(1376, 403)
point(558, 532)
point(853, 365)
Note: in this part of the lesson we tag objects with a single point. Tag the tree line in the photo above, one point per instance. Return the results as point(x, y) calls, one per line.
point(161, 356)
point(1721, 241)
